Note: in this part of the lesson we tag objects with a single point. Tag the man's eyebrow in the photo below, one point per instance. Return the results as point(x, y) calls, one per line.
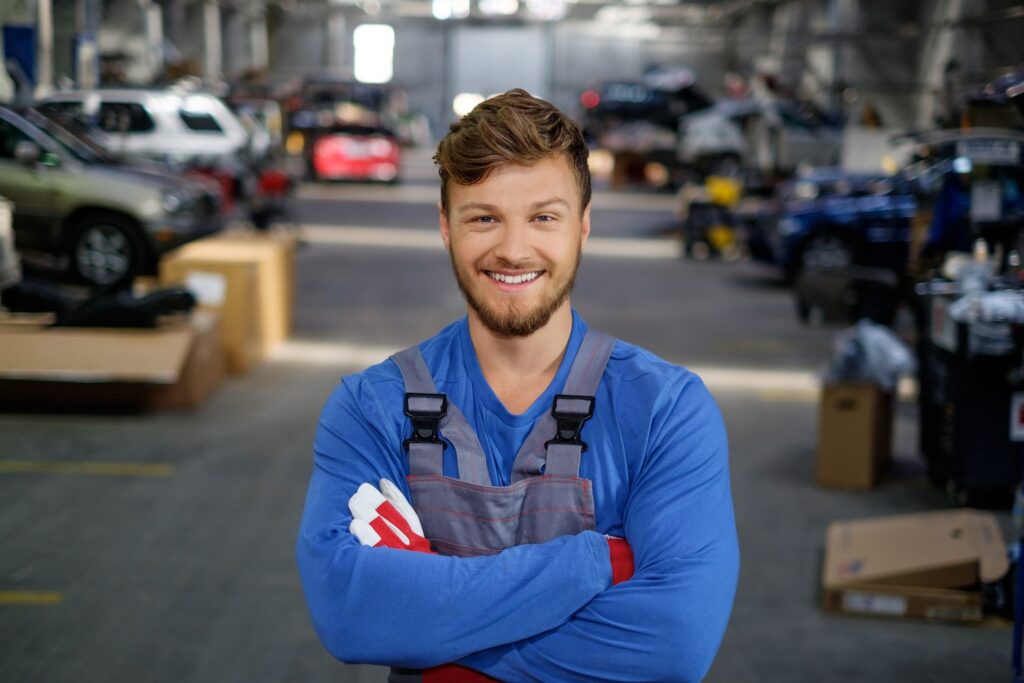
point(480, 206)
point(549, 202)
point(477, 206)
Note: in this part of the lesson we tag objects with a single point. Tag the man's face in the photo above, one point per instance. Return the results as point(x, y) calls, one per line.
point(515, 241)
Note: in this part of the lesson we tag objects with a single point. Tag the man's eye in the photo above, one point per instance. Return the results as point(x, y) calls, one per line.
point(483, 219)
point(545, 218)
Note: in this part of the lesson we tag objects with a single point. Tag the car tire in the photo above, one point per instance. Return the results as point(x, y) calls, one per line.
point(105, 250)
point(827, 251)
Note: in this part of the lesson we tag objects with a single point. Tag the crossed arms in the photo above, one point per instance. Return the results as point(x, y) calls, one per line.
point(533, 612)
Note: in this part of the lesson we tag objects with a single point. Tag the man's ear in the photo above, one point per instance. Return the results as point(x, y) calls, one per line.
point(442, 219)
point(585, 226)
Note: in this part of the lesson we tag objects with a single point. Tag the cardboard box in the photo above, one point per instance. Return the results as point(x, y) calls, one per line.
point(173, 367)
point(277, 250)
point(250, 280)
point(928, 565)
point(230, 289)
point(854, 435)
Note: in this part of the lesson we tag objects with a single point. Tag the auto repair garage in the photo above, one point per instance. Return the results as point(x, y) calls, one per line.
point(216, 215)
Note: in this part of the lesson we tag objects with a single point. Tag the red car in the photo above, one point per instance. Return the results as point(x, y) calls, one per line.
point(356, 153)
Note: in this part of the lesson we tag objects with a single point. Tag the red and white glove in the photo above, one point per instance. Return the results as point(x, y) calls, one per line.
point(385, 518)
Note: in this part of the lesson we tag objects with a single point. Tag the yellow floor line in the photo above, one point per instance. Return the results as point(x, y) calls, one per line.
point(789, 395)
point(90, 469)
point(30, 598)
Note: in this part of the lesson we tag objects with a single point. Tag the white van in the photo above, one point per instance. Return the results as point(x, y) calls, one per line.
point(165, 125)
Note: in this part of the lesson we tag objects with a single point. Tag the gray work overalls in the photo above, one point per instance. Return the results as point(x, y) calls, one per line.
point(546, 498)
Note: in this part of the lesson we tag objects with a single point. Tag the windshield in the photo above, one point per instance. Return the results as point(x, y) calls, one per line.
point(72, 137)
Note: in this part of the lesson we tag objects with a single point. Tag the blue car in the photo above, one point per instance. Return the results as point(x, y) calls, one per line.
point(832, 219)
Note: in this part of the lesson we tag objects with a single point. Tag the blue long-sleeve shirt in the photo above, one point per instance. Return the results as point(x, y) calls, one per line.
point(658, 460)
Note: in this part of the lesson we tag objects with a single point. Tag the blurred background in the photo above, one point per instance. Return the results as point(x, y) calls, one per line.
point(213, 209)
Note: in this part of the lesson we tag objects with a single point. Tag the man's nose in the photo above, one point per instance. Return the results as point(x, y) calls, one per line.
point(514, 244)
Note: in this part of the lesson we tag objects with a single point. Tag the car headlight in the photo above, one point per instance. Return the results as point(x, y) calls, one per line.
point(173, 202)
point(787, 226)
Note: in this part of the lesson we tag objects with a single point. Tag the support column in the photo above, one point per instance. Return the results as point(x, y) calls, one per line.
point(337, 41)
point(213, 71)
point(788, 45)
point(44, 49)
point(259, 41)
point(153, 26)
point(938, 96)
point(88, 15)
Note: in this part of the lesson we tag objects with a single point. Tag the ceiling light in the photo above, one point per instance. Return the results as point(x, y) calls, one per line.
point(546, 10)
point(465, 102)
point(499, 7)
point(441, 9)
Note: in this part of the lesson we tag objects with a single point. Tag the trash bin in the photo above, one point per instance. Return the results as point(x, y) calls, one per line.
point(971, 403)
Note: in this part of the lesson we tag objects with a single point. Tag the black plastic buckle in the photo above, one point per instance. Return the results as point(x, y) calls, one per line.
point(425, 411)
point(569, 417)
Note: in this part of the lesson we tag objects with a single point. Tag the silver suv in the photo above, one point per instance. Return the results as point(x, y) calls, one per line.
point(110, 219)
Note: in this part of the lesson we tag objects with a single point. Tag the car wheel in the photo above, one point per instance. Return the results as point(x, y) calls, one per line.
point(826, 252)
point(105, 250)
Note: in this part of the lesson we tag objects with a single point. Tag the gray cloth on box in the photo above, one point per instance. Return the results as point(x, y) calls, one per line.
point(989, 316)
point(869, 352)
point(989, 307)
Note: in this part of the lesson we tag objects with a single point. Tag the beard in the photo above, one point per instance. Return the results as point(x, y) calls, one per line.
point(514, 319)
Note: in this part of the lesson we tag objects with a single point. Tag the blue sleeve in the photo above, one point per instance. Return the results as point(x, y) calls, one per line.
point(666, 623)
point(401, 608)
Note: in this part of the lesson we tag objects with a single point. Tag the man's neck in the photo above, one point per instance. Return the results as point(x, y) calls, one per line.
point(519, 369)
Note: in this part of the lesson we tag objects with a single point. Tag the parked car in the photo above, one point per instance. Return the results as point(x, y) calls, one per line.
point(323, 103)
point(353, 152)
point(637, 122)
point(154, 124)
point(191, 131)
point(831, 219)
point(112, 220)
point(768, 136)
point(610, 104)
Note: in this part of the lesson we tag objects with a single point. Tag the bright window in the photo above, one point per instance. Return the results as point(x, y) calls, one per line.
point(375, 49)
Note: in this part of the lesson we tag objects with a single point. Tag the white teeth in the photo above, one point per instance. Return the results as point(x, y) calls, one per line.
point(513, 279)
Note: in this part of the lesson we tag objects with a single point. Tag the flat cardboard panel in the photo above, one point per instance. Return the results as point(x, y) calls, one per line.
point(889, 549)
point(93, 370)
point(203, 372)
point(925, 565)
point(94, 355)
point(854, 435)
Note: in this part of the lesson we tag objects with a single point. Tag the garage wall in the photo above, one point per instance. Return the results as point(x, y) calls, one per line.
point(490, 60)
point(298, 41)
point(420, 48)
point(882, 52)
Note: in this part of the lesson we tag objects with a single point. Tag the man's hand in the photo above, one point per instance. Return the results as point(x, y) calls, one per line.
point(385, 518)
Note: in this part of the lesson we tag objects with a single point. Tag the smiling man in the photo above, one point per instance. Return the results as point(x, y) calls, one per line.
point(520, 497)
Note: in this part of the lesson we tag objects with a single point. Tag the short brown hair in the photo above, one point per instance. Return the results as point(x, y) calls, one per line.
point(514, 127)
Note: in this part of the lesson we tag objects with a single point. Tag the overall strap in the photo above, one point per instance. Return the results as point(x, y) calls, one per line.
point(561, 455)
point(431, 411)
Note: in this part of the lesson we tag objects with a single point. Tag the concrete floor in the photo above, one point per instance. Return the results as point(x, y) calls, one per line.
point(191, 577)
